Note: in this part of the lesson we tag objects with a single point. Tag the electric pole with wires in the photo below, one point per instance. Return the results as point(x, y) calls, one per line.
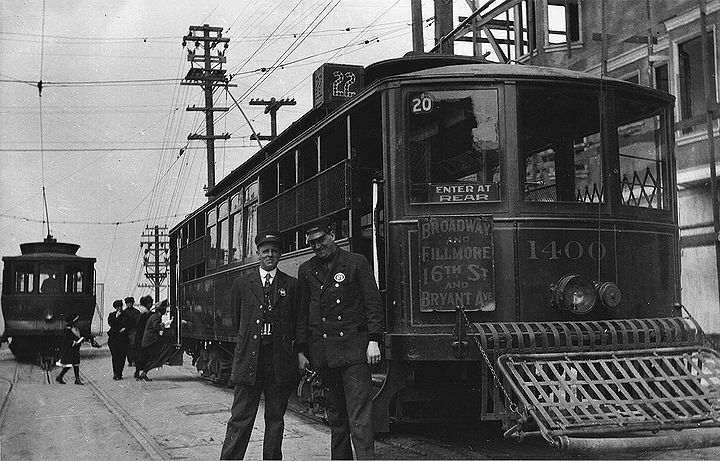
point(156, 257)
point(210, 76)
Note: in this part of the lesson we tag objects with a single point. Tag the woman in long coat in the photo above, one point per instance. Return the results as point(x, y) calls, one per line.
point(70, 350)
point(157, 346)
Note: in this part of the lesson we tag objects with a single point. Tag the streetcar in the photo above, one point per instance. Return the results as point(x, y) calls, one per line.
point(42, 289)
point(519, 219)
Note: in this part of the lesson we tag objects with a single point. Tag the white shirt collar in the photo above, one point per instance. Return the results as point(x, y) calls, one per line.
point(263, 273)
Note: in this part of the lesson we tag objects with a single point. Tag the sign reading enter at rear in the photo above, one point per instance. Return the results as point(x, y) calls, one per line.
point(462, 192)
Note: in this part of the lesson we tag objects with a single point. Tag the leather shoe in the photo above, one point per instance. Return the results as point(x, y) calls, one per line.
point(60, 380)
point(78, 382)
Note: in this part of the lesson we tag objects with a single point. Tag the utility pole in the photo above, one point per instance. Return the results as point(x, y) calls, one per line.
point(208, 77)
point(417, 26)
point(271, 107)
point(156, 259)
point(710, 103)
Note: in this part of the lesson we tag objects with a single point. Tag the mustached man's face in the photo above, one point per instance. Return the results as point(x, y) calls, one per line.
point(269, 255)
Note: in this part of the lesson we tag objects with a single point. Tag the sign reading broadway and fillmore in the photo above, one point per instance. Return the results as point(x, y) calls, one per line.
point(456, 263)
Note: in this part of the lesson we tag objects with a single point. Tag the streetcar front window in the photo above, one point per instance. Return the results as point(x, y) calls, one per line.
point(453, 149)
point(559, 142)
point(24, 278)
point(643, 150)
point(74, 279)
point(50, 278)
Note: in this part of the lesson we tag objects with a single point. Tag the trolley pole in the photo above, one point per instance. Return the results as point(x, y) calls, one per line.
point(156, 257)
point(208, 77)
point(710, 104)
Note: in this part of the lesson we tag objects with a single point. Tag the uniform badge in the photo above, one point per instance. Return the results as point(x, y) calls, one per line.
point(339, 277)
point(282, 292)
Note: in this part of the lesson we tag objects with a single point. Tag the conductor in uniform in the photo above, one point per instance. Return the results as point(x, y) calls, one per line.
point(264, 361)
point(340, 325)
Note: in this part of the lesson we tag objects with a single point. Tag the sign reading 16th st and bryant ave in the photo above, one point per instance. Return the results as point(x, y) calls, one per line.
point(456, 264)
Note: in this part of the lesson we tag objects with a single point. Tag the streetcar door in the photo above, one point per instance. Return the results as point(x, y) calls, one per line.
point(366, 144)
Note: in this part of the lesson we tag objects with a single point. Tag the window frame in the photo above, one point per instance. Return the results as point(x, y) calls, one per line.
point(609, 151)
point(676, 88)
point(402, 176)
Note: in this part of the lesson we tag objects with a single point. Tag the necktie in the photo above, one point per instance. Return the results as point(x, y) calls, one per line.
point(267, 307)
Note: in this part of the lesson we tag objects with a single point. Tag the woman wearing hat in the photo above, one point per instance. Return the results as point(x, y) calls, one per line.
point(70, 350)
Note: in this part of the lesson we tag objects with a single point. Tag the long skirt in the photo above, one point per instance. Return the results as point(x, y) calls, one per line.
point(157, 354)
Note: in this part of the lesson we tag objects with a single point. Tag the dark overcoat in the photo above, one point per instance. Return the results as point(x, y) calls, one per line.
point(340, 311)
point(246, 299)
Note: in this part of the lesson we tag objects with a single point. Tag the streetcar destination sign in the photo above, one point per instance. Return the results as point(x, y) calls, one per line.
point(456, 263)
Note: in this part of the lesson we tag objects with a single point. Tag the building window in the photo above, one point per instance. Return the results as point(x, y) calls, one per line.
point(661, 78)
point(690, 79)
point(563, 21)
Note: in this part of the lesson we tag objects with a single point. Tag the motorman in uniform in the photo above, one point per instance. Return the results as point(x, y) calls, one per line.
point(340, 325)
point(264, 361)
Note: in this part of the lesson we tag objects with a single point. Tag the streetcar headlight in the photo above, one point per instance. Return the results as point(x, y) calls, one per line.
point(609, 294)
point(576, 294)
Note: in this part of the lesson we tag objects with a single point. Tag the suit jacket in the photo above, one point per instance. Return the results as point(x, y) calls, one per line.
point(339, 313)
point(247, 298)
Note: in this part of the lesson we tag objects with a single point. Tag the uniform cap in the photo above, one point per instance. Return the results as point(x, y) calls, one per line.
point(317, 228)
point(117, 303)
point(268, 237)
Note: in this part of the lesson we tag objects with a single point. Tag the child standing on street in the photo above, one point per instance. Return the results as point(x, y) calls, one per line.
point(70, 350)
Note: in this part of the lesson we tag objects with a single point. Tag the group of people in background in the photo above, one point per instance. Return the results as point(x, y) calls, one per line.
point(138, 334)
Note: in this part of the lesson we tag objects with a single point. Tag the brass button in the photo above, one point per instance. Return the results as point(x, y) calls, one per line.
point(254, 336)
point(341, 333)
point(323, 319)
point(324, 335)
point(339, 317)
point(337, 301)
point(257, 321)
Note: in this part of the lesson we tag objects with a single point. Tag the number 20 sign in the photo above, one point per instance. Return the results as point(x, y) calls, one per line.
point(421, 104)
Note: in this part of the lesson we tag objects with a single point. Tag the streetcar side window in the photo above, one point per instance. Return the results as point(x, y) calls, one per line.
point(24, 278)
point(212, 238)
point(642, 144)
point(250, 205)
point(559, 141)
point(236, 226)
point(453, 148)
point(50, 278)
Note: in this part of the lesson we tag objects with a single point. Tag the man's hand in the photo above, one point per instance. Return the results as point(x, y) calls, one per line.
point(303, 362)
point(373, 352)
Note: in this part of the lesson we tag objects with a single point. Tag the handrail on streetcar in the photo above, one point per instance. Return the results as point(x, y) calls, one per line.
point(375, 223)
